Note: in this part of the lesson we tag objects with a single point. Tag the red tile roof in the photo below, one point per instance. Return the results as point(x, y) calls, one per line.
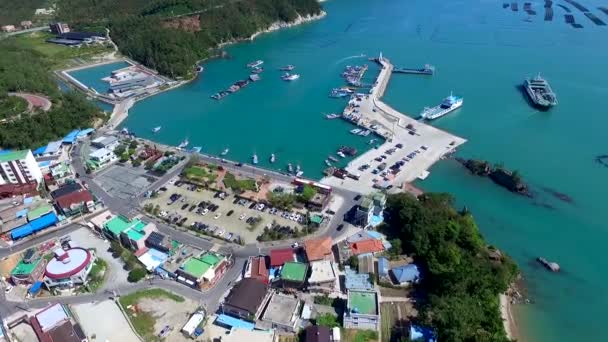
point(318, 249)
point(259, 270)
point(67, 200)
point(140, 252)
point(366, 246)
point(279, 256)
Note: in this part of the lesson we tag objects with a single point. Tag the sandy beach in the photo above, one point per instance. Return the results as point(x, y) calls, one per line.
point(508, 319)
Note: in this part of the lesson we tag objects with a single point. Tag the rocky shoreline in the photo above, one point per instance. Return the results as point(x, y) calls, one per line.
point(499, 175)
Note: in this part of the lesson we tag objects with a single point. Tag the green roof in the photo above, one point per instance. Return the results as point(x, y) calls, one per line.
point(294, 271)
point(195, 267)
point(25, 269)
point(119, 224)
point(139, 226)
point(135, 235)
point(210, 259)
point(13, 155)
point(36, 213)
point(363, 301)
point(318, 219)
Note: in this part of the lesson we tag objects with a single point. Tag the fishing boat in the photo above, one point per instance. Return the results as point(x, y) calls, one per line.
point(220, 95)
point(254, 77)
point(299, 173)
point(298, 169)
point(350, 151)
point(254, 158)
point(551, 266)
point(327, 162)
point(341, 154)
point(196, 149)
point(332, 158)
point(371, 141)
point(338, 93)
point(289, 168)
point(355, 131)
point(225, 151)
point(272, 158)
point(365, 132)
point(290, 77)
point(449, 104)
point(183, 144)
point(287, 68)
point(255, 64)
point(257, 70)
point(233, 88)
point(156, 129)
point(332, 116)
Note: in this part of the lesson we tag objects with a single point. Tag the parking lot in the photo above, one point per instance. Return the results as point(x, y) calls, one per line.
point(220, 214)
point(124, 182)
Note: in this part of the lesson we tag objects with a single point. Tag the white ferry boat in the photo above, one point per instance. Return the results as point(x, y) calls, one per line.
point(448, 105)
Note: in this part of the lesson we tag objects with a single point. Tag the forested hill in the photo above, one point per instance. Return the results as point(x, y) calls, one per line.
point(172, 35)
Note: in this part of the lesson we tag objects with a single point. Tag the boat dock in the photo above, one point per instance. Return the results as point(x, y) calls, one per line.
point(370, 112)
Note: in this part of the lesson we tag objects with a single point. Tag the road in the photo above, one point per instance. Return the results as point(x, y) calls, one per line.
point(33, 29)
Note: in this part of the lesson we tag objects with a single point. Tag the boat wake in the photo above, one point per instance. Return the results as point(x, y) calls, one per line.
point(350, 57)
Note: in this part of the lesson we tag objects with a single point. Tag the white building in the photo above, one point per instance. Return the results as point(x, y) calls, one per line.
point(69, 268)
point(106, 141)
point(19, 167)
point(193, 323)
point(102, 156)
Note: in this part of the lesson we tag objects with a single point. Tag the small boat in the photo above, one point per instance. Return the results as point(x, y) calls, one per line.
point(197, 149)
point(365, 132)
point(371, 141)
point(332, 158)
point(183, 144)
point(220, 95)
point(255, 64)
point(156, 129)
point(355, 131)
point(298, 169)
point(254, 158)
point(199, 69)
point(289, 168)
point(341, 154)
point(234, 88)
point(287, 68)
point(337, 93)
point(327, 162)
point(257, 70)
point(272, 158)
point(290, 77)
point(551, 266)
point(299, 173)
point(225, 151)
point(332, 116)
point(254, 77)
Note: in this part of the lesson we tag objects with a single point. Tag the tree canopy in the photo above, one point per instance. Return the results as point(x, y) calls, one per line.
point(460, 282)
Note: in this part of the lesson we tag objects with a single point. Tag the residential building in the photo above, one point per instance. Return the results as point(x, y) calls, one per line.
point(257, 268)
point(65, 189)
point(323, 277)
point(317, 333)
point(160, 242)
point(108, 142)
point(406, 274)
point(29, 270)
point(366, 263)
point(369, 211)
point(13, 217)
point(60, 171)
point(319, 249)
point(55, 323)
point(75, 203)
point(151, 258)
point(203, 270)
point(280, 256)
point(131, 233)
point(282, 312)
point(69, 268)
point(366, 246)
point(33, 226)
point(293, 275)
point(246, 299)
point(59, 28)
point(362, 310)
point(17, 169)
point(98, 221)
point(356, 281)
point(102, 157)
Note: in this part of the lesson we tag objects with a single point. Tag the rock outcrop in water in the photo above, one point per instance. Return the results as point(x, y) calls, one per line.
point(501, 176)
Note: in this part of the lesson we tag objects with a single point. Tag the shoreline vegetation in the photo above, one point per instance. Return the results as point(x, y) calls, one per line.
point(510, 180)
point(462, 277)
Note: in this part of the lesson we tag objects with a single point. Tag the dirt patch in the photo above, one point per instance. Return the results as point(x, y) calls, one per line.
point(168, 313)
point(189, 24)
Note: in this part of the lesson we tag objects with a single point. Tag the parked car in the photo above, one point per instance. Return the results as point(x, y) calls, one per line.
point(230, 213)
point(340, 227)
point(205, 212)
point(217, 216)
point(242, 217)
point(330, 212)
point(358, 197)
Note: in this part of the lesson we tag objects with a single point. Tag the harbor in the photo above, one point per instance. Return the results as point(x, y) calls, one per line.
point(409, 145)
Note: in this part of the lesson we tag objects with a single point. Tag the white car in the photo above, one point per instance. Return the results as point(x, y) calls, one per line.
point(295, 245)
point(205, 212)
point(260, 206)
point(217, 216)
point(220, 233)
point(242, 217)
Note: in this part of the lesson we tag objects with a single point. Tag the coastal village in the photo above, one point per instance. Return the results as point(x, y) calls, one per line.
point(174, 243)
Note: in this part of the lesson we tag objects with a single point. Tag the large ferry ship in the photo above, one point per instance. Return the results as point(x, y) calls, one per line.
point(448, 105)
point(540, 92)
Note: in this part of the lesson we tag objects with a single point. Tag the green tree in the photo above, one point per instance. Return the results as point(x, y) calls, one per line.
point(308, 192)
point(136, 275)
point(327, 320)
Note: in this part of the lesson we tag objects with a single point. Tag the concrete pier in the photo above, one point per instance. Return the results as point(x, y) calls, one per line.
point(429, 144)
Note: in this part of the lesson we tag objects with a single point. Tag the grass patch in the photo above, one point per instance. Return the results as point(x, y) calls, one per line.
point(97, 274)
point(142, 321)
point(200, 173)
point(59, 55)
point(354, 335)
point(239, 185)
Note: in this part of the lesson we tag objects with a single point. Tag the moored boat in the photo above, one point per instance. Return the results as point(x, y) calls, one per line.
point(184, 143)
point(255, 64)
point(254, 158)
point(272, 158)
point(449, 104)
point(341, 154)
point(290, 77)
point(289, 168)
point(254, 77)
point(234, 88)
point(287, 68)
point(355, 130)
point(332, 158)
point(225, 152)
point(197, 149)
point(327, 162)
point(156, 129)
point(332, 116)
point(257, 70)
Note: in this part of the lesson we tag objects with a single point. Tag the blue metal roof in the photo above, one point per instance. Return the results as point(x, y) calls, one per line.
point(354, 280)
point(419, 333)
point(39, 150)
point(71, 137)
point(234, 322)
point(22, 231)
point(33, 226)
point(21, 213)
point(406, 273)
point(35, 287)
point(383, 267)
point(85, 131)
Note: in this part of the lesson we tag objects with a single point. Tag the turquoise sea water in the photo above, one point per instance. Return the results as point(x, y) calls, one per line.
point(482, 52)
point(91, 77)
